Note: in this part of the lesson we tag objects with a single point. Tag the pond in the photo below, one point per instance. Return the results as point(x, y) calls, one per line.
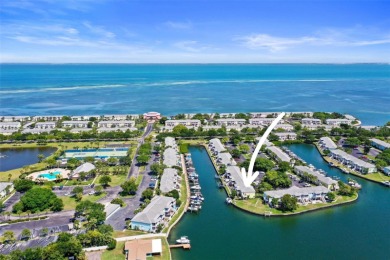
point(13, 158)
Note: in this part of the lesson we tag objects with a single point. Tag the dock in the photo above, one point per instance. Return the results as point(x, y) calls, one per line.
point(184, 246)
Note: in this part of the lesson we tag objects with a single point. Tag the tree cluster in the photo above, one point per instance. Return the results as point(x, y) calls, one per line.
point(38, 200)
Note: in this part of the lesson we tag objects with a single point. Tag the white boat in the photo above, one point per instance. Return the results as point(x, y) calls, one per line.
point(196, 187)
point(183, 240)
point(386, 183)
point(229, 200)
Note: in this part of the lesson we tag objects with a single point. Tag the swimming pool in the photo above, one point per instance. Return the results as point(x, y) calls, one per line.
point(49, 176)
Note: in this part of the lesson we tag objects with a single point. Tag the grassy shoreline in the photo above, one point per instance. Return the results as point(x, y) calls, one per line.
point(256, 206)
point(374, 177)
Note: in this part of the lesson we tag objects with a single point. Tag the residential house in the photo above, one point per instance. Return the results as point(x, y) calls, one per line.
point(158, 212)
point(231, 121)
point(233, 174)
point(45, 125)
point(381, 145)
point(321, 179)
point(352, 162)
point(75, 124)
point(310, 121)
point(286, 136)
point(170, 180)
point(114, 124)
point(189, 123)
point(139, 249)
point(277, 153)
point(303, 195)
point(326, 143)
point(338, 121)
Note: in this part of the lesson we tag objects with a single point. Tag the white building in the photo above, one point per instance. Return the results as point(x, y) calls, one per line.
point(158, 212)
point(279, 154)
point(338, 121)
point(47, 118)
point(115, 117)
point(386, 170)
point(303, 195)
point(311, 121)
point(190, 123)
point(75, 124)
point(114, 129)
point(326, 143)
point(170, 142)
point(327, 182)
point(84, 118)
point(286, 136)
point(352, 162)
point(45, 125)
point(263, 121)
point(231, 121)
point(15, 118)
point(10, 125)
point(171, 157)
point(6, 188)
point(170, 180)
point(113, 124)
point(381, 145)
point(233, 174)
point(285, 127)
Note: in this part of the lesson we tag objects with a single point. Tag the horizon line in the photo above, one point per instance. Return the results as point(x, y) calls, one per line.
point(189, 63)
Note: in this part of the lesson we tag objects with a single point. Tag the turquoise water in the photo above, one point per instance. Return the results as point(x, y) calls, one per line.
point(359, 89)
point(355, 231)
point(49, 176)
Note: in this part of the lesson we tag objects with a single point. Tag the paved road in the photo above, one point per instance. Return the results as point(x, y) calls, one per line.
point(11, 201)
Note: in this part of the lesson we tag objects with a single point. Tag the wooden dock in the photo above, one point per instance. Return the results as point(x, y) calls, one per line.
point(185, 246)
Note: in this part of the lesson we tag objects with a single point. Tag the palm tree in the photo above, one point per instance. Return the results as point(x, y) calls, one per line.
point(9, 177)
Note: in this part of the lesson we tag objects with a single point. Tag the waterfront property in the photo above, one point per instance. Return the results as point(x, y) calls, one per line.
point(6, 188)
point(49, 175)
point(216, 146)
point(170, 142)
point(286, 136)
point(47, 118)
point(386, 170)
point(152, 116)
point(116, 117)
point(85, 117)
point(189, 123)
point(142, 249)
point(310, 121)
point(327, 182)
point(45, 125)
point(116, 124)
point(171, 157)
point(170, 180)
point(326, 143)
point(231, 121)
point(278, 154)
point(158, 213)
point(338, 122)
point(234, 179)
point(303, 195)
point(116, 129)
point(262, 121)
point(285, 127)
point(222, 155)
point(352, 162)
point(381, 145)
point(75, 124)
point(10, 125)
point(101, 153)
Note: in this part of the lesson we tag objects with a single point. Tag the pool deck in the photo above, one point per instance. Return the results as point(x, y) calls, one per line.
point(35, 175)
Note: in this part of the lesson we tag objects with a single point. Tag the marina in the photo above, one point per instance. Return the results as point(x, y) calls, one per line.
point(196, 197)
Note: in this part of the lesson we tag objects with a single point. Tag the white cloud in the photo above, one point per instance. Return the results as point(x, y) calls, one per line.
point(99, 30)
point(179, 25)
point(343, 38)
point(190, 46)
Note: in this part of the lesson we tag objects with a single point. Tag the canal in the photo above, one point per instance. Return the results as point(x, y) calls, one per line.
point(356, 231)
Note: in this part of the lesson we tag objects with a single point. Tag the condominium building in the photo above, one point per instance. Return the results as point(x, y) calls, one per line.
point(277, 153)
point(47, 118)
point(381, 145)
point(158, 212)
point(263, 121)
point(327, 182)
point(285, 127)
point(352, 162)
point(311, 121)
point(303, 195)
point(10, 125)
point(326, 143)
point(191, 123)
point(234, 180)
point(45, 125)
point(75, 124)
point(171, 157)
point(337, 122)
point(170, 180)
point(112, 123)
point(286, 136)
point(231, 121)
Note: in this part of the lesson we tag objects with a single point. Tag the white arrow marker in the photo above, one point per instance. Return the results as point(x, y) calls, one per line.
point(250, 177)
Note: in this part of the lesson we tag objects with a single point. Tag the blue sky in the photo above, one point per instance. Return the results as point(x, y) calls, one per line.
point(144, 31)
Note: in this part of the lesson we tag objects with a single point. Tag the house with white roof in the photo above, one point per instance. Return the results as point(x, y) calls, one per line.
point(310, 121)
point(170, 180)
point(352, 162)
point(231, 121)
point(381, 145)
point(171, 157)
point(321, 179)
point(75, 124)
point(115, 117)
point(10, 125)
point(85, 168)
point(47, 118)
point(158, 212)
point(189, 123)
point(277, 153)
point(326, 143)
point(114, 124)
point(286, 136)
point(303, 195)
point(338, 121)
point(6, 188)
point(263, 121)
point(45, 125)
point(170, 142)
point(233, 173)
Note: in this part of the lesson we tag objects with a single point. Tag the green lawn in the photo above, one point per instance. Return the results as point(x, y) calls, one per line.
point(70, 203)
point(115, 254)
point(256, 206)
point(127, 233)
point(116, 180)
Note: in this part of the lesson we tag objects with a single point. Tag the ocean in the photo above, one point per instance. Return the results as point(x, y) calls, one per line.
point(362, 90)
